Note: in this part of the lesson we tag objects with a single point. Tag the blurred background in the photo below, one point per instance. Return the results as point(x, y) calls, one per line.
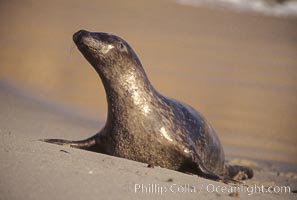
point(234, 61)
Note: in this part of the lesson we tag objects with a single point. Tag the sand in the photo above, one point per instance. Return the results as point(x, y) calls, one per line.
point(239, 70)
point(30, 169)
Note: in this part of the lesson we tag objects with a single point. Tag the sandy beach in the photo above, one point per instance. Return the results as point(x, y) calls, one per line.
point(30, 169)
point(238, 69)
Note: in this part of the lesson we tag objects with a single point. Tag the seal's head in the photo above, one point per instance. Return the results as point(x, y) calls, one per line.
point(116, 63)
point(107, 53)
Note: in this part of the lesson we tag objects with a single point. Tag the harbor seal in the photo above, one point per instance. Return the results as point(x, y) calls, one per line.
point(143, 125)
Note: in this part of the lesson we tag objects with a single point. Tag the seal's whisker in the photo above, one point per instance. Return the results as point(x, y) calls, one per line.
point(71, 49)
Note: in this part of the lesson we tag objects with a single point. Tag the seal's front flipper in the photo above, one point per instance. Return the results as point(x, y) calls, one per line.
point(224, 179)
point(82, 144)
point(204, 172)
point(239, 172)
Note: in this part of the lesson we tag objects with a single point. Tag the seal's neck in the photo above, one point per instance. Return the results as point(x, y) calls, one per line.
point(128, 93)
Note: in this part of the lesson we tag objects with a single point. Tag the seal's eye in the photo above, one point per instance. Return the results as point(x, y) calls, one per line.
point(122, 47)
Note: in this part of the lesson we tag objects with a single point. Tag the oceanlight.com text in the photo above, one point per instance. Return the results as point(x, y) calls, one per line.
point(210, 188)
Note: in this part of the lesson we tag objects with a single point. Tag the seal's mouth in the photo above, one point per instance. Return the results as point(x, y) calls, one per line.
point(86, 42)
point(77, 37)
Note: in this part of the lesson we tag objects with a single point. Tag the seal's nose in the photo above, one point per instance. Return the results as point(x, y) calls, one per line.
point(78, 35)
